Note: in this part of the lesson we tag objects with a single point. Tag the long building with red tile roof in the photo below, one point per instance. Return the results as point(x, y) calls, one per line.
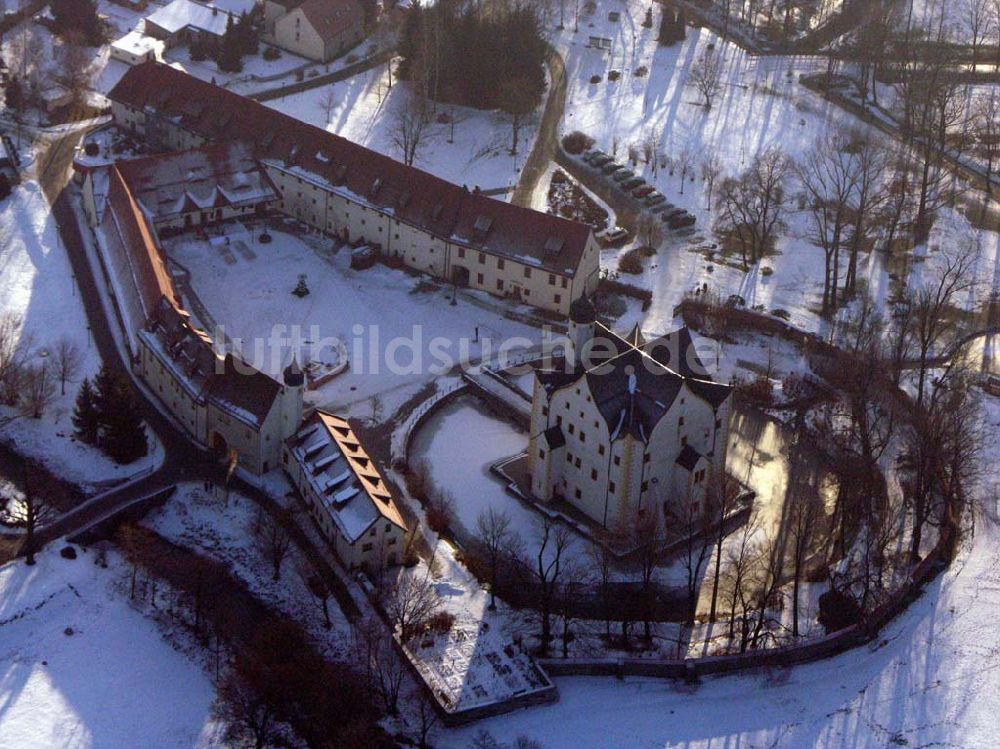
point(360, 195)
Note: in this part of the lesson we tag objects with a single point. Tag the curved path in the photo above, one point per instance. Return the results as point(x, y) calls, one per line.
point(547, 140)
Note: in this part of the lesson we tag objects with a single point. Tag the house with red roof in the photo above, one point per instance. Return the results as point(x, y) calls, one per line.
point(362, 196)
point(319, 30)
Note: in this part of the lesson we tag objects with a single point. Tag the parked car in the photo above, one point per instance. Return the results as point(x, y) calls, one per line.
point(599, 161)
point(674, 212)
point(655, 198)
point(614, 236)
point(992, 385)
point(632, 183)
point(611, 167)
point(595, 153)
point(363, 257)
point(682, 221)
point(622, 175)
point(643, 191)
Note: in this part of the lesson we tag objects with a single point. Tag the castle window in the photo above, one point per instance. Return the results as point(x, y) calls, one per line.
point(600, 449)
point(461, 252)
point(645, 486)
point(618, 460)
point(645, 458)
point(718, 423)
point(680, 421)
point(541, 454)
point(482, 258)
point(593, 474)
point(564, 282)
point(611, 487)
point(569, 457)
point(583, 436)
point(577, 493)
point(552, 279)
point(558, 299)
point(527, 272)
point(572, 428)
point(576, 462)
point(479, 278)
point(499, 263)
point(545, 410)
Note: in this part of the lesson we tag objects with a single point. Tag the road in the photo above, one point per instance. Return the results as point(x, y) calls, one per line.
point(547, 141)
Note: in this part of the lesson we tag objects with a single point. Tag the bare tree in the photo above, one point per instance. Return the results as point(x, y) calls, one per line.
point(711, 169)
point(829, 177)
point(803, 516)
point(872, 160)
point(986, 127)
point(495, 535)
point(327, 103)
point(248, 711)
point(68, 361)
point(977, 20)
point(752, 204)
point(706, 76)
point(15, 350)
point(518, 101)
point(74, 65)
point(426, 717)
point(410, 601)
point(932, 304)
point(275, 541)
point(601, 559)
point(721, 501)
point(552, 544)
point(645, 539)
point(39, 390)
point(684, 163)
point(32, 509)
point(320, 590)
point(408, 128)
point(695, 550)
point(377, 409)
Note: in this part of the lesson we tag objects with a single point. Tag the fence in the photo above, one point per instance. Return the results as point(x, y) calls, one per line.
point(401, 438)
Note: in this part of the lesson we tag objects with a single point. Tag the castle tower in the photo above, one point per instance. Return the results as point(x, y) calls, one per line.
point(291, 398)
point(582, 316)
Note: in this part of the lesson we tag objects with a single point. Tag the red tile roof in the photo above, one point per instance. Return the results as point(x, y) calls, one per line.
point(448, 211)
point(331, 18)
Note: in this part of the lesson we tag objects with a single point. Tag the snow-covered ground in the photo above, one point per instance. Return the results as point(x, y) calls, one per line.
point(761, 105)
point(81, 669)
point(476, 152)
point(229, 531)
point(932, 679)
point(374, 313)
point(37, 284)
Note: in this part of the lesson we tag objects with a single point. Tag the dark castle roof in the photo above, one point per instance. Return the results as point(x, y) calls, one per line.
point(634, 385)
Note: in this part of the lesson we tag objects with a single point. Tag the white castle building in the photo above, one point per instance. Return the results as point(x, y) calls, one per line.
point(629, 426)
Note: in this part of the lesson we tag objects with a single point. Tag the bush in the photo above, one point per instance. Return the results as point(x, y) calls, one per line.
point(641, 71)
point(837, 611)
point(631, 261)
point(577, 142)
point(595, 79)
point(440, 623)
point(614, 75)
point(272, 53)
point(92, 149)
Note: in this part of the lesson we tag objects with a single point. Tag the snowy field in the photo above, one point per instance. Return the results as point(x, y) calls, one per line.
point(37, 284)
point(249, 293)
point(475, 153)
point(80, 669)
point(761, 105)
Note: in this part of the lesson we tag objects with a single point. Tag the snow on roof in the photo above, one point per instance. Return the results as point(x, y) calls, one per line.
point(343, 476)
point(137, 43)
point(450, 212)
point(169, 185)
point(181, 14)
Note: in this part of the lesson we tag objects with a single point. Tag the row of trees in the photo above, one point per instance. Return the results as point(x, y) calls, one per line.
point(241, 38)
point(107, 415)
point(484, 56)
point(270, 674)
point(31, 378)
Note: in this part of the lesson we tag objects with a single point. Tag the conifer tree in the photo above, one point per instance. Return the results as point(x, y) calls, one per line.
point(121, 432)
point(230, 57)
point(86, 421)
